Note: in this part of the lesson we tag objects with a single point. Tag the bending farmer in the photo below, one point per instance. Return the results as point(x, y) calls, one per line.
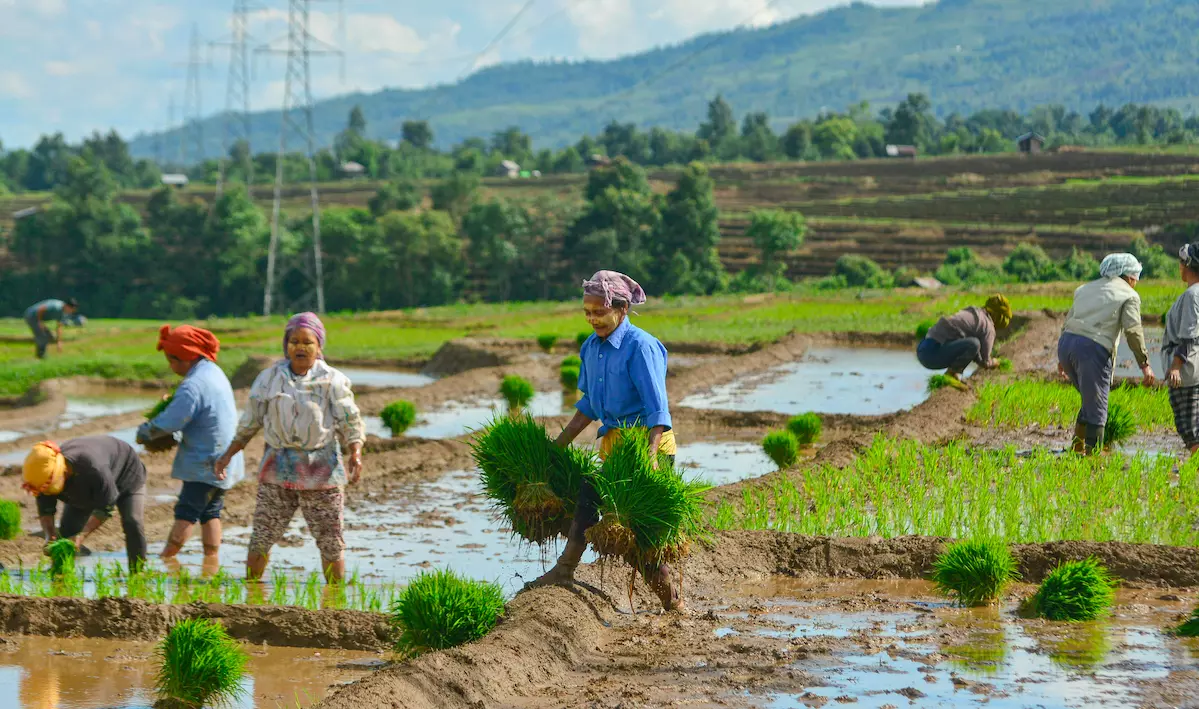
point(91, 476)
point(1086, 350)
point(623, 380)
point(204, 411)
point(964, 337)
point(303, 407)
point(37, 315)
point(1180, 350)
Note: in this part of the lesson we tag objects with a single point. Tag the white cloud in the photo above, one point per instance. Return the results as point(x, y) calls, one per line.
point(13, 85)
point(61, 68)
point(606, 27)
point(49, 8)
point(381, 33)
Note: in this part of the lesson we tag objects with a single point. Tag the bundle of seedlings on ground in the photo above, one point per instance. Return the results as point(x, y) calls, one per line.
point(975, 573)
point(941, 381)
point(1005, 365)
point(547, 342)
point(440, 609)
point(1075, 590)
point(517, 391)
point(62, 557)
point(582, 337)
point(649, 514)
point(782, 447)
point(160, 443)
point(398, 416)
point(572, 361)
point(569, 376)
point(923, 328)
point(199, 666)
point(1189, 627)
point(806, 428)
point(532, 483)
point(1121, 425)
point(10, 519)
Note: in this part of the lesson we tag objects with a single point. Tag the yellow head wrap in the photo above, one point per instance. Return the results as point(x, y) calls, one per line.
point(45, 469)
point(1000, 311)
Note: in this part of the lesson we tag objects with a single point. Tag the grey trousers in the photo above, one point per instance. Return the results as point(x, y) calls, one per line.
point(1089, 366)
point(41, 335)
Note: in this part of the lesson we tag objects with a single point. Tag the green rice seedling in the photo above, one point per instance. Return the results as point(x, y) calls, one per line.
point(398, 416)
point(531, 482)
point(1075, 590)
point(1189, 627)
point(160, 406)
point(62, 557)
point(547, 342)
point(517, 391)
point(569, 376)
point(806, 428)
point(782, 447)
point(9, 585)
point(1121, 425)
point(162, 443)
point(1024, 402)
point(940, 381)
point(440, 609)
point(199, 666)
point(233, 591)
point(923, 328)
point(10, 519)
point(1005, 364)
point(649, 514)
point(278, 587)
point(572, 361)
point(582, 337)
point(975, 573)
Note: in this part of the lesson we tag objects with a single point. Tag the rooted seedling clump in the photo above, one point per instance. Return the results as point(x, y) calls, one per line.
point(782, 447)
point(569, 376)
point(440, 609)
point(1190, 626)
point(1076, 590)
point(806, 428)
point(200, 666)
point(1121, 424)
point(398, 416)
point(547, 342)
point(10, 519)
point(923, 328)
point(62, 557)
point(582, 337)
point(572, 361)
point(1005, 365)
point(517, 391)
point(975, 573)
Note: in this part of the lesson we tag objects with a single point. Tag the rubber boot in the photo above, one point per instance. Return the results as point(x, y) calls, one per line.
point(1078, 445)
point(1094, 440)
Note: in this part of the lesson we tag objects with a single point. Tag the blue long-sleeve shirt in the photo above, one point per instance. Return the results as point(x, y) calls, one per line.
point(205, 412)
point(623, 379)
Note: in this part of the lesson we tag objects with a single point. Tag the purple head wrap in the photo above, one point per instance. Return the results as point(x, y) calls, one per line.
point(612, 285)
point(308, 321)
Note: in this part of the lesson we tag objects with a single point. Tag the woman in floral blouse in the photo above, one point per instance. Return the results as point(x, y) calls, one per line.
point(306, 411)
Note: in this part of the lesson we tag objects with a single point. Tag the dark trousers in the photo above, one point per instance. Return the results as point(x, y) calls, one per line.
point(1089, 366)
point(131, 506)
point(41, 335)
point(954, 355)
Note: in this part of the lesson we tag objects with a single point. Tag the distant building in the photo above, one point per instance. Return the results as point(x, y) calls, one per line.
point(902, 151)
point(27, 212)
point(508, 168)
point(174, 179)
point(597, 160)
point(352, 169)
point(1031, 143)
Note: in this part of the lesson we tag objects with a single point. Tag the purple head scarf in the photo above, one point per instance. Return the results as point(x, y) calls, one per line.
point(612, 285)
point(308, 321)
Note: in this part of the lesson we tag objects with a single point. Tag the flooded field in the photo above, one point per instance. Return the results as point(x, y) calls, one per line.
point(1126, 364)
point(721, 463)
point(79, 410)
point(55, 673)
point(385, 378)
point(861, 381)
point(456, 418)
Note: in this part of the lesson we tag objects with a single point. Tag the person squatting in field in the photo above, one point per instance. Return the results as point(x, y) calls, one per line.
point(303, 407)
point(90, 476)
point(204, 412)
point(52, 310)
point(1180, 350)
point(623, 380)
point(1102, 310)
point(964, 337)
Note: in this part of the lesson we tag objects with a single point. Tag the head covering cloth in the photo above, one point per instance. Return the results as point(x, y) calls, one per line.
point(1000, 310)
point(44, 468)
point(307, 321)
point(1189, 255)
point(613, 285)
point(1118, 265)
point(188, 343)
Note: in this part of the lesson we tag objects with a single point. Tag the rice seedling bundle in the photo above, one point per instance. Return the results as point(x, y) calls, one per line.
point(517, 391)
point(1189, 627)
point(1121, 424)
point(1075, 590)
point(648, 515)
point(440, 609)
point(398, 416)
point(782, 447)
point(923, 328)
point(1005, 365)
point(569, 376)
point(161, 443)
point(62, 557)
point(159, 407)
point(199, 666)
point(532, 483)
point(10, 519)
point(582, 337)
point(806, 428)
point(572, 361)
point(975, 573)
point(940, 381)
point(546, 342)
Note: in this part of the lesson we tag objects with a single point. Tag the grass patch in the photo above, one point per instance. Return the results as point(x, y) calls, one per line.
point(10, 519)
point(806, 428)
point(440, 610)
point(975, 573)
point(1075, 590)
point(398, 416)
point(1025, 402)
point(517, 391)
point(547, 342)
point(199, 665)
point(782, 447)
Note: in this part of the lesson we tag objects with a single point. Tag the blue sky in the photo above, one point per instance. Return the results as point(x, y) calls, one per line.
point(81, 65)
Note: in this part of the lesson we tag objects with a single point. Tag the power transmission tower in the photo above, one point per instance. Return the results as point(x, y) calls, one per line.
point(297, 99)
point(193, 109)
point(237, 96)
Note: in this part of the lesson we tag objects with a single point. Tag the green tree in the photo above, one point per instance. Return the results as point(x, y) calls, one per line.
point(797, 140)
point(685, 255)
point(720, 130)
point(774, 233)
point(497, 231)
point(456, 194)
point(912, 123)
point(418, 134)
point(861, 272)
point(962, 266)
point(396, 196)
point(758, 141)
point(1029, 263)
point(426, 254)
point(615, 227)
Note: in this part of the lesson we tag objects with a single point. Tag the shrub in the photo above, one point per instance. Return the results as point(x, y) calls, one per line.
point(547, 342)
point(517, 391)
point(199, 665)
point(398, 416)
point(1028, 263)
point(582, 337)
point(1155, 262)
point(1079, 266)
point(1075, 590)
point(10, 519)
point(440, 610)
point(1190, 626)
point(782, 447)
point(975, 572)
point(62, 557)
point(1121, 424)
point(923, 328)
point(962, 266)
point(572, 361)
point(806, 428)
point(861, 272)
point(569, 376)
point(905, 276)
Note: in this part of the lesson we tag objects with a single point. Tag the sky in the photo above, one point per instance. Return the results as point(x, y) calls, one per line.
point(78, 66)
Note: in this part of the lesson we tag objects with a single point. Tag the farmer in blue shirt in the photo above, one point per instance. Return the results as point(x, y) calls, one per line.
point(204, 412)
point(623, 380)
point(52, 310)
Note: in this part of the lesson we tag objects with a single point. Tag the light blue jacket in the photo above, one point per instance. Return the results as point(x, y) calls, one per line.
point(205, 412)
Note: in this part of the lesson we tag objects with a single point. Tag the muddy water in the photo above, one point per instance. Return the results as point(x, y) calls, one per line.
point(456, 418)
point(1126, 364)
point(858, 381)
point(723, 463)
point(79, 409)
point(385, 378)
point(50, 673)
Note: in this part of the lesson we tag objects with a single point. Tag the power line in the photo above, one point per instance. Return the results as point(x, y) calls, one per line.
point(193, 109)
point(237, 96)
point(499, 37)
